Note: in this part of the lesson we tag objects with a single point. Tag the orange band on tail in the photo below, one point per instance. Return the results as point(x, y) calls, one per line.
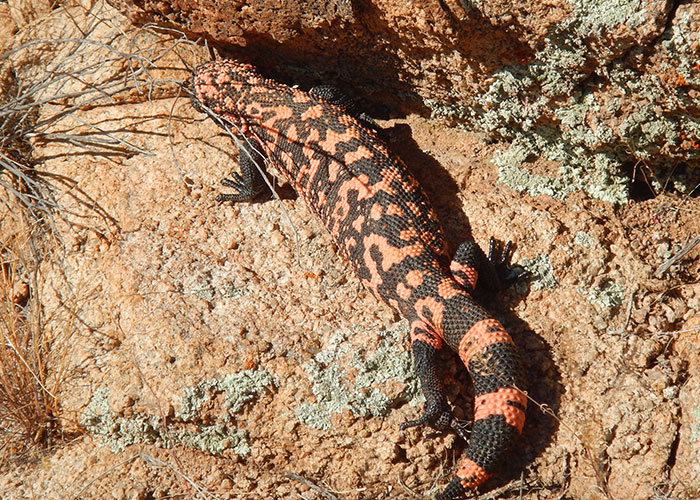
point(482, 334)
point(496, 403)
point(471, 475)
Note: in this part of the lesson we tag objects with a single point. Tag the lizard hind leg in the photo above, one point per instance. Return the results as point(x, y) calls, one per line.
point(468, 262)
point(470, 265)
point(425, 345)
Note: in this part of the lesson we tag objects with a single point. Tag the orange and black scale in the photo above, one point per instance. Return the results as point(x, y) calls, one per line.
point(386, 228)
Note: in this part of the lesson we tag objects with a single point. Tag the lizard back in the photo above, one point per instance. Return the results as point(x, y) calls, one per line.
point(364, 195)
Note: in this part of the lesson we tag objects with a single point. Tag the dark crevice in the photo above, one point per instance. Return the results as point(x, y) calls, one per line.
point(640, 188)
point(669, 20)
point(671, 460)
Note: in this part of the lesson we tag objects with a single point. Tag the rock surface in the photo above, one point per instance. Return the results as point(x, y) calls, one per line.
point(601, 88)
point(229, 350)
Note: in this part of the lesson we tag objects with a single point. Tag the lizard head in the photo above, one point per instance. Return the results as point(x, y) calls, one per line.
point(221, 87)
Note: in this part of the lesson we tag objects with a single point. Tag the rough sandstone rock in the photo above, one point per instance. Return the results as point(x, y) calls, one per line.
point(590, 85)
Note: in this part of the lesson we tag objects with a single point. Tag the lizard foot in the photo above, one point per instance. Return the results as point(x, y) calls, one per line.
point(499, 256)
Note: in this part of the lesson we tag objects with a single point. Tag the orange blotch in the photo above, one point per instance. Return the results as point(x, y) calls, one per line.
point(334, 169)
point(390, 255)
point(333, 138)
point(375, 212)
point(375, 280)
point(364, 191)
point(357, 223)
point(288, 164)
point(348, 120)
point(394, 209)
point(229, 103)
point(342, 207)
point(312, 112)
point(308, 168)
point(448, 289)
point(408, 234)
point(283, 112)
point(385, 185)
point(415, 209)
point(350, 243)
point(308, 151)
point(360, 153)
point(402, 291)
point(410, 183)
point(222, 78)
point(292, 134)
point(414, 278)
point(300, 97)
point(280, 113)
point(312, 137)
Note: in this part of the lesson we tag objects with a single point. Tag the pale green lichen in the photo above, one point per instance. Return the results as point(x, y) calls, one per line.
point(593, 175)
point(193, 399)
point(609, 295)
point(364, 394)
point(556, 88)
point(204, 291)
point(594, 16)
point(119, 432)
point(238, 389)
point(233, 292)
point(558, 69)
point(584, 240)
point(541, 272)
point(216, 439)
point(695, 429)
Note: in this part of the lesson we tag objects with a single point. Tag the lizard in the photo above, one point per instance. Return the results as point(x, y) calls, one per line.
point(386, 228)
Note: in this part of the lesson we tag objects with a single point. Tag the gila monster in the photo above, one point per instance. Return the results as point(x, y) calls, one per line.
point(387, 230)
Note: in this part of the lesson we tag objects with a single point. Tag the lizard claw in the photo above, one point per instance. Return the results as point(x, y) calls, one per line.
point(499, 257)
point(436, 415)
point(237, 182)
point(462, 428)
point(441, 420)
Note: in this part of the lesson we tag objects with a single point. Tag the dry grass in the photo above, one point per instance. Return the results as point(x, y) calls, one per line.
point(28, 405)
